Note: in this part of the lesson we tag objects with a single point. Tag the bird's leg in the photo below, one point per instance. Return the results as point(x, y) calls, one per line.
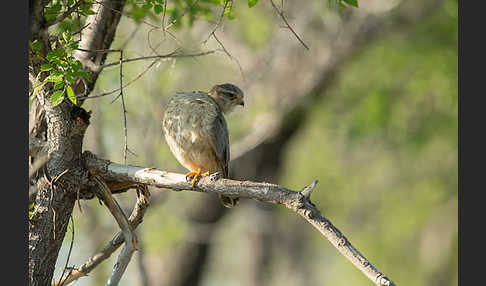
point(196, 175)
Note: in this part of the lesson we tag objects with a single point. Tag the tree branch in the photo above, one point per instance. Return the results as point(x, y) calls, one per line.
point(297, 201)
point(135, 219)
point(281, 14)
point(64, 15)
point(98, 36)
point(130, 239)
point(169, 56)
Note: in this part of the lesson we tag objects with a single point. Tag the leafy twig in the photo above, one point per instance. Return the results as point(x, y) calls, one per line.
point(64, 15)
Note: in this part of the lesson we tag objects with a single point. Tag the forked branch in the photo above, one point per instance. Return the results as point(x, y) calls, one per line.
point(135, 219)
point(297, 201)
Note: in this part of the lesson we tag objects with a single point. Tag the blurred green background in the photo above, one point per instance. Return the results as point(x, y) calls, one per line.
point(380, 136)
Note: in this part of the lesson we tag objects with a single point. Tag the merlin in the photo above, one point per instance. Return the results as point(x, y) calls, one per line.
point(196, 131)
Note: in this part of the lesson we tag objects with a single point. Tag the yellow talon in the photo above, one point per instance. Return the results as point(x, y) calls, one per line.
point(196, 175)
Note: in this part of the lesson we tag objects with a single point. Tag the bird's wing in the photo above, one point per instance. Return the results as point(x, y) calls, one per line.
point(220, 142)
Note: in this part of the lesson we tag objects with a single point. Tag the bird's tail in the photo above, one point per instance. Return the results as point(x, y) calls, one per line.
point(229, 202)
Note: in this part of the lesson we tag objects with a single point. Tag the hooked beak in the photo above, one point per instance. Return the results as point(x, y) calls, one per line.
point(242, 103)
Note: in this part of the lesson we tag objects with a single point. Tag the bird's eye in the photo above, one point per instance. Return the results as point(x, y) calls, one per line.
point(230, 95)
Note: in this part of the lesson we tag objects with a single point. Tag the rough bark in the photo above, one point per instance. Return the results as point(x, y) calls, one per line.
point(63, 127)
point(57, 190)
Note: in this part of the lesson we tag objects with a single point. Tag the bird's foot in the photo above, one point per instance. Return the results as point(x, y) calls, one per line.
point(196, 175)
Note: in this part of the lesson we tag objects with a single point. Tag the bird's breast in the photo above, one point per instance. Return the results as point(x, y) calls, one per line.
point(187, 128)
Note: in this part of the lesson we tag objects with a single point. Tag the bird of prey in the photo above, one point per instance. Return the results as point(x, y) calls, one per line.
point(196, 131)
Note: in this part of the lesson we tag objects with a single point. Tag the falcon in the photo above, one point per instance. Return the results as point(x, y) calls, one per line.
point(197, 134)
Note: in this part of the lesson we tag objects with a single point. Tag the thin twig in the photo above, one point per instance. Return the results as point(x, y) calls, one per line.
point(169, 56)
point(64, 15)
point(53, 185)
point(118, 89)
point(129, 38)
point(80, 30)
point(231, 58)
point(125, 145)
point(157, 58)
point(180, 16)
point(281, 14)
point(220, 20)
point(69, 253)
point(163, 16)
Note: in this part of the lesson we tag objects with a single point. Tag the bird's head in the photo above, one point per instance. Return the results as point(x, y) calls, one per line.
point(227, 96)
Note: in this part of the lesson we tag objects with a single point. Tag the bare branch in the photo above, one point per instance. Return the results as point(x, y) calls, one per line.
point(298, 202)
point(125, 145)
point(167, 57)
point(134, 220)
point(157, 58)
point(220, 20)
point(281, 14)
point(118, 89)
point(129, 237)
point(231, 57)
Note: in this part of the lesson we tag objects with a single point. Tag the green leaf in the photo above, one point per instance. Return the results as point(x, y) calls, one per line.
point(35, 46)
point(231, 15)
point(57, 97)
point(86, 75)
point(76, 65)
point(66, 37)
point(53, 77)
point(352, 2)
point(252, 3)
point(158, 9)
point(37, 88)
point(73, 45)
point(59, 85)
point(147, 6)
point(70, 94)
point(46, 67)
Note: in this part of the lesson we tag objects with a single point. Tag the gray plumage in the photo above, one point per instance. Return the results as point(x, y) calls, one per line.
point(196, 130)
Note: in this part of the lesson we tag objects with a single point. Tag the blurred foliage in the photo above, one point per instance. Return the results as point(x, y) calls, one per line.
point(383, 143)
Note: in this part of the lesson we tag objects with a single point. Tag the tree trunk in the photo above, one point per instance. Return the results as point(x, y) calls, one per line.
point(64, 177)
